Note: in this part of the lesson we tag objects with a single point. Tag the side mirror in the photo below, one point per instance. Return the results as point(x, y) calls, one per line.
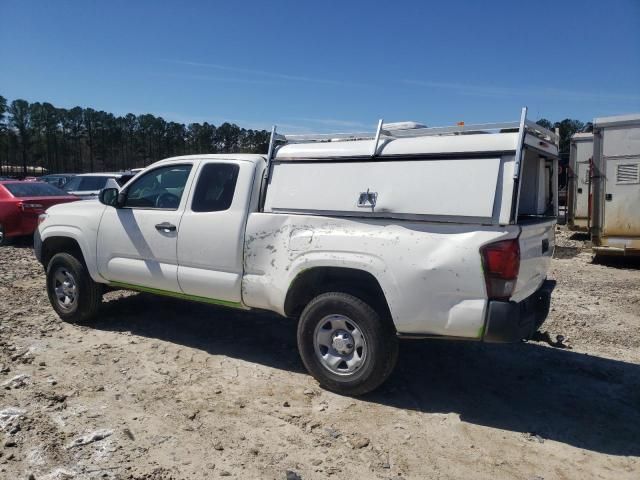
point(121, 199)
point(110, 197)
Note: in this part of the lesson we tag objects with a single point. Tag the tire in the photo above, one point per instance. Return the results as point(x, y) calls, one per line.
point(4, 241)
point(346, 345)
point(78, 297)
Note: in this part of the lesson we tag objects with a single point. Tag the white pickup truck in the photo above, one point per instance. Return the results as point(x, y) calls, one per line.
point(364, 238)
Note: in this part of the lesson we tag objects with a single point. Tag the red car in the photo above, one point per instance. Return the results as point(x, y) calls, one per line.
point(22, 202)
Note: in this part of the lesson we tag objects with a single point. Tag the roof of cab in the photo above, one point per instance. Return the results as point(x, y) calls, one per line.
point(247, 157)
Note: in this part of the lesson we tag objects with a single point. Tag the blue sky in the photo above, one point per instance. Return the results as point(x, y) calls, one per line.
point(325, 66)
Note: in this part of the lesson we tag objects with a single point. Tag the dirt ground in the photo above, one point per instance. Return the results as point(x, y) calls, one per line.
point(164, 389)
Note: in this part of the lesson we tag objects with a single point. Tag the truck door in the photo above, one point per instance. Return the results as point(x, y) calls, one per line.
point(137, 243)
point(211, 238)
point(622, 197)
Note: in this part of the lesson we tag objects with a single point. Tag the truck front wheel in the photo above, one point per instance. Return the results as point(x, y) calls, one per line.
point(345, 344)
point(72, 292)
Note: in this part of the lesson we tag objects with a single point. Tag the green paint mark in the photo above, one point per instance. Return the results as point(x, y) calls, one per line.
point(480, 332)
point(182, 296)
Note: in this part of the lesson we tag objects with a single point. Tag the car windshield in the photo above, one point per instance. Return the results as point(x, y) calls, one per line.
point(33, 189)
point(80, 184)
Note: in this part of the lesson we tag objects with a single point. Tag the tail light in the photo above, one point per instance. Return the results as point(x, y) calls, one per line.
point(501, 263)
point(30, 207)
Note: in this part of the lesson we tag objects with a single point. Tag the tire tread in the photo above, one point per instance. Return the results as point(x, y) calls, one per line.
point(90, 292)
point(383, 335)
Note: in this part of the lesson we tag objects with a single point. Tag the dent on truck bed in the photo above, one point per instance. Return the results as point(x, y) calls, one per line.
point(435, 285)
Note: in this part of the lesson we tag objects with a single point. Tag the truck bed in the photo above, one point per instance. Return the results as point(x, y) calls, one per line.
point(431, 273)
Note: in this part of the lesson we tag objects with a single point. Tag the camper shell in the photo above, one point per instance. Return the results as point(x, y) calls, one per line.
point(490, 174)
point(579, 184)
point(615, 217)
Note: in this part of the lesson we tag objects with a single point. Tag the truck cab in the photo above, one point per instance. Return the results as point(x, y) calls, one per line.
point(180, 228)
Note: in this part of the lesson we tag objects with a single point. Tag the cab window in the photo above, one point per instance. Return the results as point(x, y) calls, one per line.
point(215, 187)
point(160, 188)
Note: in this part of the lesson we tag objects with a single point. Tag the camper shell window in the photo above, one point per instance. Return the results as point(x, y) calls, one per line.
point(537, 198)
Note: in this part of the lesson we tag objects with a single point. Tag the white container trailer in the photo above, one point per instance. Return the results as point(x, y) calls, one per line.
point(615, 219)
point(579, 187)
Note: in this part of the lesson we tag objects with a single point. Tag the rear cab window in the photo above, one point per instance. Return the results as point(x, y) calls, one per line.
point(215, 187)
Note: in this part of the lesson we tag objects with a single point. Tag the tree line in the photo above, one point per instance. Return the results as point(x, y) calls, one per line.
point(566, 128)
point(87, 140)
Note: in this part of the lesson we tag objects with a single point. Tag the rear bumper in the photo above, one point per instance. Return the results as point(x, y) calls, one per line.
point(29, 224)
point(19, 225)
point(509, 322)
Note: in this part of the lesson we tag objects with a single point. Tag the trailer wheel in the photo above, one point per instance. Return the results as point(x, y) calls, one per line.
point(72, 292)
point(345, 344)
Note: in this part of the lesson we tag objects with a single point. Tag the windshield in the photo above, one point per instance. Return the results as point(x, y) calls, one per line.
point(80, 184)
point(33, 189)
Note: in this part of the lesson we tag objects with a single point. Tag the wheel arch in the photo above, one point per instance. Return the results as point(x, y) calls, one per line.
point(315, 281)
point(61, 244)
point(73, 240)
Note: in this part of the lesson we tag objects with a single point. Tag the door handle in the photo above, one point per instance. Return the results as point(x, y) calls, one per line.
point(166, 227)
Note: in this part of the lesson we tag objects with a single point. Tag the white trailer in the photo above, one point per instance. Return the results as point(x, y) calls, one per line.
point(579, 187)
point(615, 219)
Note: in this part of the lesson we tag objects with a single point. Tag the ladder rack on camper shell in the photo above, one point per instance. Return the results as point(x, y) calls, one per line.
point(412, 130)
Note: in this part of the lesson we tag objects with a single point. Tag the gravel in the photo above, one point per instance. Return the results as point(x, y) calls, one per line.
point(149, 390)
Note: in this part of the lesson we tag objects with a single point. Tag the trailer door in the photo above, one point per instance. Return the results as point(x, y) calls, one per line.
point(583, 190)
point(622, 197)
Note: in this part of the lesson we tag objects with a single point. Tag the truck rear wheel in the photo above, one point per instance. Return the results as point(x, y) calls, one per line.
point(345, 344)
point(72, 292)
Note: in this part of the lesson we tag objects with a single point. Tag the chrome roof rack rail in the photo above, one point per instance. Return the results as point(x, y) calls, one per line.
point(401, 130)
